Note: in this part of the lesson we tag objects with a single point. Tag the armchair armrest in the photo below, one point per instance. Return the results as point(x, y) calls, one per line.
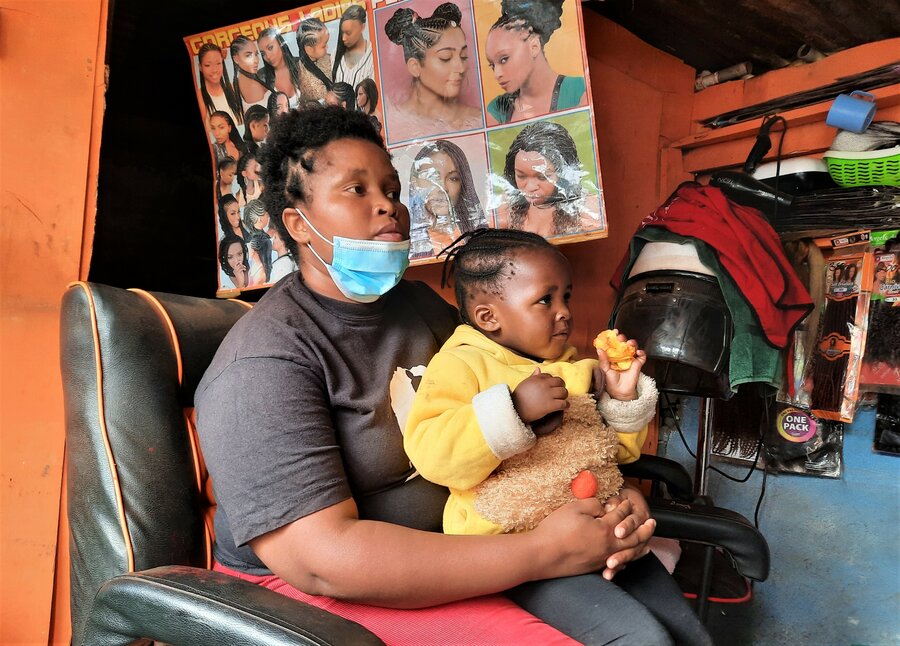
point(185, 605)
point(653, 467)
point(698, 523)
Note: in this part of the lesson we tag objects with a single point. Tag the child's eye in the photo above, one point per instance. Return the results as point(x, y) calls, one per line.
point(394, 194)
point(356, 188)
point(545, 300)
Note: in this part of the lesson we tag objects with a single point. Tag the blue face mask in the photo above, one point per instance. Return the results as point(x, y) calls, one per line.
point(363, 270)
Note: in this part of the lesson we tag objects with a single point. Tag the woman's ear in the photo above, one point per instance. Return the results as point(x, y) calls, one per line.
point(414, 67)
point(484, 318)
point(295, 225)
point(534, 45)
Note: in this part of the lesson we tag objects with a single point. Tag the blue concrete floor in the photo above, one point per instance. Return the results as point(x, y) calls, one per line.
point(835, 547)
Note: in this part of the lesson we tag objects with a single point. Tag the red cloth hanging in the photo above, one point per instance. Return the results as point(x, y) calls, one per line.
point(748, 249)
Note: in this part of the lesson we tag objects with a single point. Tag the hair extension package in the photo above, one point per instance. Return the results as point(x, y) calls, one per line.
point(799, 442)
point(832, 372)
point(881, 362)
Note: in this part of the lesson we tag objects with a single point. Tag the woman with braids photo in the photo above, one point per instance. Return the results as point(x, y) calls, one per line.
point(515, 54)
point(215, 88)
point(230, 218)
point(315, 61)
point(277, 104)
point(353, 59)
point(316, 496)
point(226, 140)
point(281, 71)
point(226, 170)
point(437, 60)
point(251, 186)
point(259, 255)
point(342, 95)
point(252, 89)
point(256, 127)
point(442, 199)
point(541, 181)
point(233, 261)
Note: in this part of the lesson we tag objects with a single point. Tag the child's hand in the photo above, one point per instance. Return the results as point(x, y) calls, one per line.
point(539, 400)
point(620, 384)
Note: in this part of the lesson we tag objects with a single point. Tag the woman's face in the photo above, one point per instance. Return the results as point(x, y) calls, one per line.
point(277, 242)
point(219, 129)
point(511, 57)
point(362, 99)
point(271, 51)
point(211, 67)
point(226, 175)
point(262, 222)
point(247, 58)
point(444, 67)
point(439, 181)
point(259, 130)
point(317, 51)
point(235, 257)
point(351, 33)
point(233, 213)
point(535, 176)
point(281, 104)
point(358, 196)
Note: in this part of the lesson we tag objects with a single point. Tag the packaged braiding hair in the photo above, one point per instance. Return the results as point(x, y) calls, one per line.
point(834, 368)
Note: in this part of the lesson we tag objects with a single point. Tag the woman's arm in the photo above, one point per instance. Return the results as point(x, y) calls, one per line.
point(333, 553)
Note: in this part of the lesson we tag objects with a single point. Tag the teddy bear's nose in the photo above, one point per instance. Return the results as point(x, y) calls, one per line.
point(584, 485)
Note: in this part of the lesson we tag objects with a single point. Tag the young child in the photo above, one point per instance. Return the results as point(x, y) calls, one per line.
point(504, 376)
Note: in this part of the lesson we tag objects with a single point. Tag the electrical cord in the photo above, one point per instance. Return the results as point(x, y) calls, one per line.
point(709, 467)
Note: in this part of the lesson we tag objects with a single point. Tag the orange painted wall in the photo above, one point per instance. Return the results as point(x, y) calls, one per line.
point(50, 70)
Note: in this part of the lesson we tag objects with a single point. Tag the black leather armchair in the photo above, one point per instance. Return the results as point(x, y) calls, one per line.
point(139, 541)
point(138, 499)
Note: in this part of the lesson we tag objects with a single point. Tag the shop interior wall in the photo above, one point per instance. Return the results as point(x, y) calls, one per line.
point(52, 78)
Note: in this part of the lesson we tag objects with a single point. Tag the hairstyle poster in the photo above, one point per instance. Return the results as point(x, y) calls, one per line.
point(485, 106)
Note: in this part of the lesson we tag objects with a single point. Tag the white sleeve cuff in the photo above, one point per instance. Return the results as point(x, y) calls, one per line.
point(504, 431)
point(631, 416)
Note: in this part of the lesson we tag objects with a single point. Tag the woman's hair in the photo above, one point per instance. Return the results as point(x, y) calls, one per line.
point(555, 144)
point(291, 150)
point(242, 164)
point(254, 113)
point(481, 260)
point(224, 224)
point(272, 105)
point(231, 98)
point(345, 93)
point(224, 244)
point(261, 243)
point(253, 211)
point(233, 133)
point(353, 12)
point(268, 72)
point(371, 91)
point(467, 211)
point(236, 46)
point(541, 17)
point(308, 34)
point(221, 165)
point(415, 34)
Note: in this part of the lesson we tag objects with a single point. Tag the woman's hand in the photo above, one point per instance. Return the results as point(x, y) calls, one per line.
point(582, 536)
point(638, 517)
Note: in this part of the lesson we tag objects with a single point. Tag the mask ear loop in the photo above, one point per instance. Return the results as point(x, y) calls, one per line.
point(316, 231)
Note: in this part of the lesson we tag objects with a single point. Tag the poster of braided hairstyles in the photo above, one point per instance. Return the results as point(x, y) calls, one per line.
point(484, 105)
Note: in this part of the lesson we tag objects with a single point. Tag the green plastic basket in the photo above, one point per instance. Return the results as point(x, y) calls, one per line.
point(870, 168)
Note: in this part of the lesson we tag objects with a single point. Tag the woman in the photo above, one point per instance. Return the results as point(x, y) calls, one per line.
point(281, 70)
point(298, 423)
point(256, 127)
point(353, 59)
point(226, 140)
point(278, 104)
point(226, 169)
point(515, 53)
point(367, 96)
point(315, 71)
point(342, 95)
point(442, 198)
point(249, 183)
point(259, 250)
point(284, 263)
point(437, 58)
point(245, 58)
point(215, 88)
point(542, 182)
point(230, 218)
point(255, 217)
point(233, 260)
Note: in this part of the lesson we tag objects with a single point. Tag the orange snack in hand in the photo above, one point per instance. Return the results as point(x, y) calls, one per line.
point(620, 353)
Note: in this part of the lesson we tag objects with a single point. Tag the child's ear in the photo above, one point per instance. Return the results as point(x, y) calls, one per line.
point(295, 225)
point(485, 319)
